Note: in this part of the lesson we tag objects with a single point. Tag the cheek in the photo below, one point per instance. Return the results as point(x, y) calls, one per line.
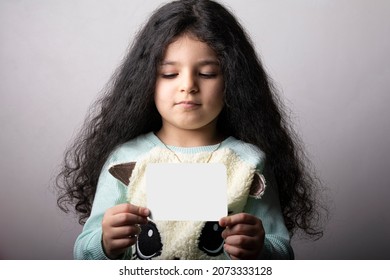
point(160, 94)
point(157, 91)
point(160, 104)
point(166, 85)
point(219, 95)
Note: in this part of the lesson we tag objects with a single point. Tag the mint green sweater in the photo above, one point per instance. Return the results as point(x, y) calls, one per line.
point(111, 192)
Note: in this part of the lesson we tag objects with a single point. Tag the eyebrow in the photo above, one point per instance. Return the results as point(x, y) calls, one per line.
point(200, 63)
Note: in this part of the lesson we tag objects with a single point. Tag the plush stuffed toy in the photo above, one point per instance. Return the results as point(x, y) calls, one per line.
point(187, 239)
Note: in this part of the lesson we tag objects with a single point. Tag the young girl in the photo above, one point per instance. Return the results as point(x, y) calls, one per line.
point(191, 89)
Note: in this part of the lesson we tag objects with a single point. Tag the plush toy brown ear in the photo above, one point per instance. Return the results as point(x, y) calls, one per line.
point(122, 171)
point(258, 186)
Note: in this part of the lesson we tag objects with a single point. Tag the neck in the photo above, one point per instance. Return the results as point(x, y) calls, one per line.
point(189, 138)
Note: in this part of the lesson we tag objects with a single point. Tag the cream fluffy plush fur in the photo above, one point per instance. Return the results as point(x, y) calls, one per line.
point(182, 239)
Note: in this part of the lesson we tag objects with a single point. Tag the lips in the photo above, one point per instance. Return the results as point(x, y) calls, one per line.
point(188, 104)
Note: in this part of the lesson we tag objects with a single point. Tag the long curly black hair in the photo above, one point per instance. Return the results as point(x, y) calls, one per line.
point(252, 113)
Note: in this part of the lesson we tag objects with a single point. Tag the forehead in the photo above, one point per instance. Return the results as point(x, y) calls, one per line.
point(188, 48)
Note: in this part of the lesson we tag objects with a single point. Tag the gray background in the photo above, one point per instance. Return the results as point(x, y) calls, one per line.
point(329, 60)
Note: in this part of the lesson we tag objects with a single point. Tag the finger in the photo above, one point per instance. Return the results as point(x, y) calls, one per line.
point(124, 232)
point(241, 229)
point(237, 253)
point(137, 210)
point(241, 218)
point(125, 219)
point(129, 208)
point(242, 241)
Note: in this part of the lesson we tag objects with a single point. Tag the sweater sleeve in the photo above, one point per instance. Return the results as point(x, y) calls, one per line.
point(268, 210)
point(109, 193)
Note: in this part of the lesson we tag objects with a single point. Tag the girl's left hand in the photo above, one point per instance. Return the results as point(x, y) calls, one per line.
point(244, 236)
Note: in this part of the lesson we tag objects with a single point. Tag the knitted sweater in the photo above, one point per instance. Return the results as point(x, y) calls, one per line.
point(187, 242)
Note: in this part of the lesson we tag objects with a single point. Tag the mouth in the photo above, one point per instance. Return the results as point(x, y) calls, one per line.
point(188, 104)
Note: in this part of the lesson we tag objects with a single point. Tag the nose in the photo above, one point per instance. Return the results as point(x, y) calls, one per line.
point(189, 84)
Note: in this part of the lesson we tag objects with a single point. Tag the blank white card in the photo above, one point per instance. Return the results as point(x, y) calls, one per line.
point(186, 191)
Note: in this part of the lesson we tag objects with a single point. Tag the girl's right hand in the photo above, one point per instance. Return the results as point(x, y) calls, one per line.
point(120, 228)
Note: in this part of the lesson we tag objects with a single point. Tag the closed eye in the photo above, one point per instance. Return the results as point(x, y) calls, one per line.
point(169, 75)
point(208, 75)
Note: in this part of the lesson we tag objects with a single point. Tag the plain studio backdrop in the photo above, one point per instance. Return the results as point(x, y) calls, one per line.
point(329, 60)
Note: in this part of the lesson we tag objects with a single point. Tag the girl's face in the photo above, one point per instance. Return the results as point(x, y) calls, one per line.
point(190, 87)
